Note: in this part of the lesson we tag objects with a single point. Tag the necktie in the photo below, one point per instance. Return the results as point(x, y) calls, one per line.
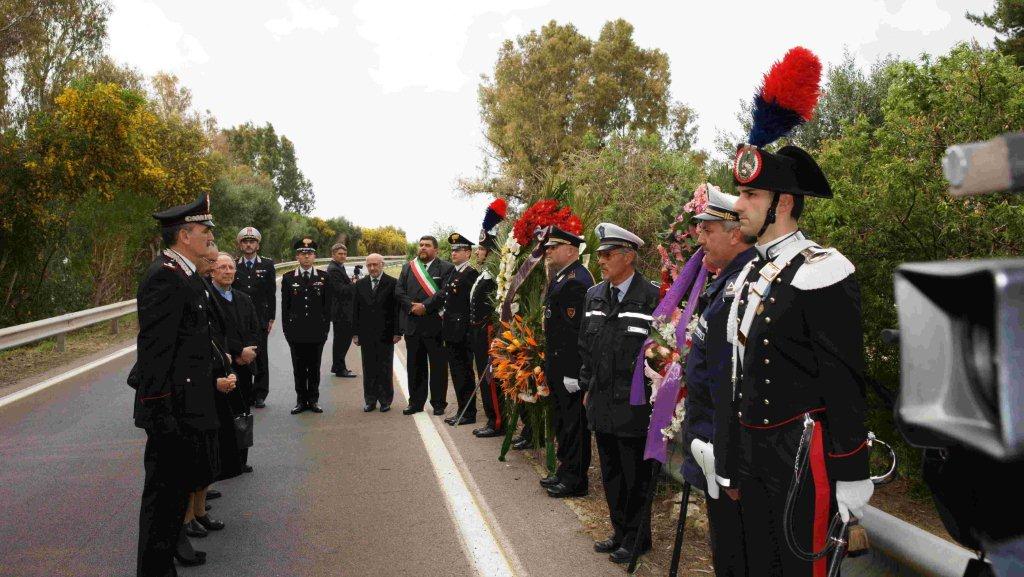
point(248, 264)
point(374, 287)
point(305, 276)
point(615, 293)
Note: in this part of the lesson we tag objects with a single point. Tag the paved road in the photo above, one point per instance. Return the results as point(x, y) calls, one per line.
point(342, 493)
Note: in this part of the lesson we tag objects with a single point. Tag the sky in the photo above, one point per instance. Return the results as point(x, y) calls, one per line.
point(380, 96)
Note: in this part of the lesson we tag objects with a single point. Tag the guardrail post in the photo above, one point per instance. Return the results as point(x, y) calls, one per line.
point(61, 341)
point(115, 327)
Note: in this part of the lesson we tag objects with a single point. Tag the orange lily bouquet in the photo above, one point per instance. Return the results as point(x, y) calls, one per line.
point(517, 360)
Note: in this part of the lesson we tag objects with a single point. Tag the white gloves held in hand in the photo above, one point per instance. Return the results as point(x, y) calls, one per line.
point(853, 496)
point(571, 385)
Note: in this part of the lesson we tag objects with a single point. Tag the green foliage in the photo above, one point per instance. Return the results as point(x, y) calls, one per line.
point(384, 240)
point(1007, 19)
point(555, 91)
point(635, 181)
point(891, 204)
point(262, 150)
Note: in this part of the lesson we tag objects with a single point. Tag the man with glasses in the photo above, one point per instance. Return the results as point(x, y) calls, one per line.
point(708, 423)
point(616, 322)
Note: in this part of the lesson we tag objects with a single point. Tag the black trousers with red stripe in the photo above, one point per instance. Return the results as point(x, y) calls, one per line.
point(766, 470)
point(490, 396)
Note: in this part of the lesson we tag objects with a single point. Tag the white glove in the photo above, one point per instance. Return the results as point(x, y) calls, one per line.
point(853, 496)
point(704, 454)
point(571, 385)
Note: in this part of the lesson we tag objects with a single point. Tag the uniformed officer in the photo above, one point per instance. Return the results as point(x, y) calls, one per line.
point(256, 277)
point(617, 319)
point(174, 398)
point(306, 311)
point(455, 328)
point(481, 319)
point(563, 315)
point(796, 327)
point(709, 380)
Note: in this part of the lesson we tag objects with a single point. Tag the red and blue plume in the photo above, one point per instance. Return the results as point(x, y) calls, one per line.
point(495, 214)
point(787, 97)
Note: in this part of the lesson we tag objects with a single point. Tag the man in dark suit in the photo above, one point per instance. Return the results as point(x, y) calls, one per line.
point(419, 293)
point(455, 329)
point(255, 276)
point(563, 316)
point(241, 329)
point(377, 329)
point(341, 309)
point(174, 399)
point(306, 310)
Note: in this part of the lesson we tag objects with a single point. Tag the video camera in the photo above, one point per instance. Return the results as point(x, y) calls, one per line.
point(962, 371)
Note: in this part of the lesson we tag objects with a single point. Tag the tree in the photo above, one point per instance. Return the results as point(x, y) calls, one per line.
point(636, 181)
point(262, 150)
point(1007, 19)
point(385, 240)
point(555, 91)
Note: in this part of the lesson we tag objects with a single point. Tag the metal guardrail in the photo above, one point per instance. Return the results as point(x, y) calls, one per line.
point(18, 335)
point(898, 548)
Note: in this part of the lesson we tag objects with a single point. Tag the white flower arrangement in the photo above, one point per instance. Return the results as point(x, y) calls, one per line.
point(506, 270)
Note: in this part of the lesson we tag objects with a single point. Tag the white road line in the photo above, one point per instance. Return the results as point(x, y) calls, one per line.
point(479, 543)
point(17, 396)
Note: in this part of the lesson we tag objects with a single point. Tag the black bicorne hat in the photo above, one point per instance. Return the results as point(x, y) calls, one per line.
point(791, 170)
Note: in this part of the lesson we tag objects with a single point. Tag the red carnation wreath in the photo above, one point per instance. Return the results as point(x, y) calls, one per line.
point(545, 213)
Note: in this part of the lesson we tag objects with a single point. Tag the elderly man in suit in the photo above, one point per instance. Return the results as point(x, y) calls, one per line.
point(375, 320)
point(419, 293)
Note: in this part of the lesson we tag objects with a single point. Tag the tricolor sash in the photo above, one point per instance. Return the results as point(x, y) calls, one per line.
point(423, 277)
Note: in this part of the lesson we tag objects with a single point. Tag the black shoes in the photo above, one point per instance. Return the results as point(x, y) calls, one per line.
point(523, 444)
point(549, 481)
point(487, 431)
point(209, 524)
point(411, 410)
point(212, 494)
point(463, 421)
point(193, 529)
point(298, 408)
point(623, 555)
point(451, 420)
point(369, 408)
point(346, 374)
point(384, 408)
point(185, 554)
point(314, 407)
point(260, 404)
point(606, 546)
point(247, 468)
point(560, 491)
point(438, 412)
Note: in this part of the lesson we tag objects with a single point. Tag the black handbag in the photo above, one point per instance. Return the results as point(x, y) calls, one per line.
point(241, 421)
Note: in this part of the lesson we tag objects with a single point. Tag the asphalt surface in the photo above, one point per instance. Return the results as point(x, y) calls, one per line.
point(341, 493)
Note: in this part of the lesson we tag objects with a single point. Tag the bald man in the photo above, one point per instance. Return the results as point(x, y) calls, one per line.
point(375, 311)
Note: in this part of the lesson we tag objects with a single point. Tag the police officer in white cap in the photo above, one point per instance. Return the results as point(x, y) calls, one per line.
point(616, 322)
point(255, 277)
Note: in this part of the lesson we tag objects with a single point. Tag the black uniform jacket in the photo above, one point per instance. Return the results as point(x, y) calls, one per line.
point(341, 292)
point(609, 344)
point(455, 323)
point(481, 302)
point(173, 367)
point(260, 285)
point(563, 316)
point(240, 325)
point(375, 314)
point(805, 353)
point(305, 307)
point(709, 411)
point(409, 291)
